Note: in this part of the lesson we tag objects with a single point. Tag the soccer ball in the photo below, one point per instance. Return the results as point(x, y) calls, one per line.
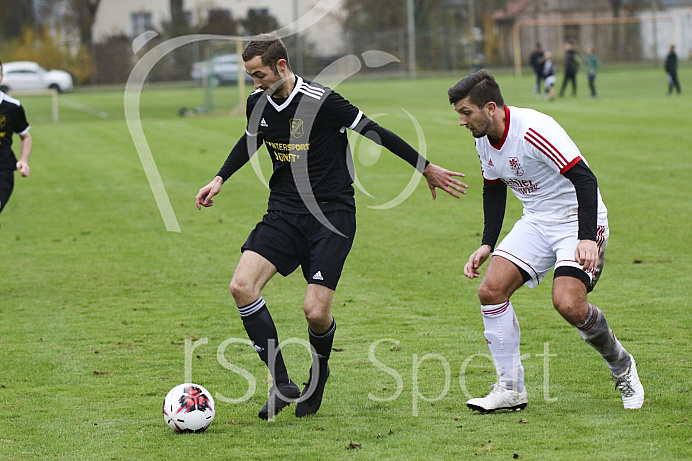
point(188, 408)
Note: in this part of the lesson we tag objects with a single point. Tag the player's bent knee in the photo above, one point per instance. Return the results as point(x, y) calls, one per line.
point(563, 303)
point(242, 291)
point(314, 314)
point(573, 313)
point(574, 309)
point(491, 294)
point(317, 316)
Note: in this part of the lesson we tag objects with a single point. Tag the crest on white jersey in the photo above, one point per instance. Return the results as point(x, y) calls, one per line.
point(516, 166)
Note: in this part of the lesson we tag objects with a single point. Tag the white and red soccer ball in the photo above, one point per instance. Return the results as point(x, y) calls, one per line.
point(188, 407)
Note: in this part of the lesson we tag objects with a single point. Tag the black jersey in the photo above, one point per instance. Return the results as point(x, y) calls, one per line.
point(305, 135)
point(12, 120)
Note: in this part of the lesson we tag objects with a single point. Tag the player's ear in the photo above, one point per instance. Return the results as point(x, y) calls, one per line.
point(491, 107)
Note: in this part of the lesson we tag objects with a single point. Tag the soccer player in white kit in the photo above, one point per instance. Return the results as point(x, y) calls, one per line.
point(564, 226)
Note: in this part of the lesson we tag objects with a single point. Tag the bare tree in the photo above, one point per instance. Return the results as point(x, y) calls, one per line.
point(179, 24)
point(259, 22)
point(220, 22)
point(15, 16)
point(85, 14)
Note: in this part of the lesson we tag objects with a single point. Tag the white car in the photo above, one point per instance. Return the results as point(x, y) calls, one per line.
point(220, 69)
point(27, 75)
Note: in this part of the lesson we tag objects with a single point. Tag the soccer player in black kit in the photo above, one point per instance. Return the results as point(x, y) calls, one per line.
point(12, 120)
point(311, 218)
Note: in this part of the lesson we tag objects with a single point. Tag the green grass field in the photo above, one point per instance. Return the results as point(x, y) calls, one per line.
point(98, 300)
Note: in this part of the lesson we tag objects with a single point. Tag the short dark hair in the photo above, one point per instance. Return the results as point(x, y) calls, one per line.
point(269, 47)
point(480, 87)
point(0, 66)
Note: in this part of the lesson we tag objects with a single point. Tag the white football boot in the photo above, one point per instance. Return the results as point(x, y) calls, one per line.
point(500, 398)
point(630, 387)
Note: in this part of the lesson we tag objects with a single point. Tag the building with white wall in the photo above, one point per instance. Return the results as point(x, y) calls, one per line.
point(132, 17)
point(671, 26)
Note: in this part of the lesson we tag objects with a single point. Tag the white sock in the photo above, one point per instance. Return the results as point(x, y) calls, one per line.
point(503, 335)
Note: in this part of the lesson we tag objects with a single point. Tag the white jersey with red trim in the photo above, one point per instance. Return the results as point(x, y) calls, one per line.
point(531, 158)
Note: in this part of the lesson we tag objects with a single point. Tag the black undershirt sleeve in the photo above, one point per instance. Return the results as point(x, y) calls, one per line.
point(392, 142)
point(238, 157)
point(494, 203)
point(586, 186)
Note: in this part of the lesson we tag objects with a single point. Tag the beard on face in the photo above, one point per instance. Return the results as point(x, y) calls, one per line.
point(480, 128)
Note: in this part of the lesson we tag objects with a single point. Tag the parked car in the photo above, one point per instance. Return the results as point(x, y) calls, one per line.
point(27, 75)
point(220, 69)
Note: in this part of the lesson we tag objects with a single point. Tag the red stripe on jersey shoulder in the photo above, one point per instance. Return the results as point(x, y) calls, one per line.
point(542, 144)
point(570, 165)
point(499, 145)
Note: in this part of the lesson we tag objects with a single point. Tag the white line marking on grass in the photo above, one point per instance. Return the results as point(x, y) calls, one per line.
point(83, 108)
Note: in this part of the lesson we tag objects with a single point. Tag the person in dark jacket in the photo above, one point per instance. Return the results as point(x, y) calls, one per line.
point(572, 63)
point(672, 70)
point(536, 60)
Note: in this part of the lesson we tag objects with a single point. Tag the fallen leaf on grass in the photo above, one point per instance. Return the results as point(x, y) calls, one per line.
point(353, 445)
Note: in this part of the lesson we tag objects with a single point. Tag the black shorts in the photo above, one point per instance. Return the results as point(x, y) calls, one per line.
point(290, 240)
point(6, 186)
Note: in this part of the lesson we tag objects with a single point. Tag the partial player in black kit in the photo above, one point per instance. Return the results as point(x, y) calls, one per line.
point(12, 121)
point(310, 220)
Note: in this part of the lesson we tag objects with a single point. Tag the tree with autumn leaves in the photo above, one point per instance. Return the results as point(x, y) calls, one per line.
point(54, 33)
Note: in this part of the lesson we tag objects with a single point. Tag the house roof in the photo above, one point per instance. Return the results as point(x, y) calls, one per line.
point(512, 10)
point(675, 3)
point(517, 8)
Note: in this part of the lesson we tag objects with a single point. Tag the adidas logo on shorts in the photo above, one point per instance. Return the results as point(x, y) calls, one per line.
point(318, 276)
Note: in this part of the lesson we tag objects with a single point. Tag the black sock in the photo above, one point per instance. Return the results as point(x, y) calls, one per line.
point(261, 330)
point(323, 346)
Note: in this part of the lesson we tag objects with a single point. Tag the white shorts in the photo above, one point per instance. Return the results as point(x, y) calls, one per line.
point(538, 248)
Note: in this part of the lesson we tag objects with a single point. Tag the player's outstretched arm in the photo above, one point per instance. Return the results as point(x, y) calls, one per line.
point(435, 175)
point(445, 180)
point(476, 260)
point(205, 195)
